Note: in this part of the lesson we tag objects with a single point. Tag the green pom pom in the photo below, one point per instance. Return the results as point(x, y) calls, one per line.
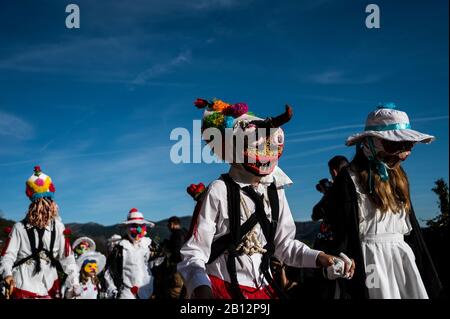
point(215, 119)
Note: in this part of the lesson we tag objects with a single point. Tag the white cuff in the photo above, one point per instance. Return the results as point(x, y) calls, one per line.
point(310, 258)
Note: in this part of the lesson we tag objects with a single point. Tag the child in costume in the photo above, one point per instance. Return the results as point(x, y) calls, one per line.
point(38, 247)
point(243, 218)
point(90, 264)
point(128, 272)
point(372, 217)
point(83, 245)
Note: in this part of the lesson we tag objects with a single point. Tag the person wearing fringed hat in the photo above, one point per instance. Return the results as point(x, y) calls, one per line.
point(38, 247)
point(128, 274)
point(242, 219)
point(83, 245)
point(372, 216)
point(90, 264)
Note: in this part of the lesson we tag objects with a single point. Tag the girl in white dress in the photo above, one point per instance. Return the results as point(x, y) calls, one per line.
point(372, 214)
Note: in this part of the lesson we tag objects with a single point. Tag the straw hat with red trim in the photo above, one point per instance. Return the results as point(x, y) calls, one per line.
point(136, 217)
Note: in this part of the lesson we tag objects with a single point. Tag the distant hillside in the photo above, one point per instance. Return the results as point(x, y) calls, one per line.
point(306, 231)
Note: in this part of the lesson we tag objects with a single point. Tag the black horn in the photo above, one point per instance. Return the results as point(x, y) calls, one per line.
point(282, 118)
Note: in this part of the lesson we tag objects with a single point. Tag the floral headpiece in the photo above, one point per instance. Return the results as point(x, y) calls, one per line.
point(221, 114)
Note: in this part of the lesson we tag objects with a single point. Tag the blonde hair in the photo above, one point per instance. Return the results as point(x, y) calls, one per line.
point(41, 212)
point(392, 194)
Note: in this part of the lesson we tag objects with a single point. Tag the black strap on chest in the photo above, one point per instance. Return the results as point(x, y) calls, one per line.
point(37, 249)
point(230, 241)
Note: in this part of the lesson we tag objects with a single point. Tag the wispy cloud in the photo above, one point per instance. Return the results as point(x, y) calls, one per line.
point(316, 151)
point(341, 77)
point(13, 126)
point(162, 68)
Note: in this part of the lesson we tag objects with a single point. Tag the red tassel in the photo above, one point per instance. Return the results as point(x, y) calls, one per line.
point(67, 247)
point(193, 229)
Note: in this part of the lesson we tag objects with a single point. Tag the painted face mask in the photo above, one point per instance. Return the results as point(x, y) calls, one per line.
point(82, 248)
point(90, 267)
point(254, 142)
point(262, 148)
point(137, 232)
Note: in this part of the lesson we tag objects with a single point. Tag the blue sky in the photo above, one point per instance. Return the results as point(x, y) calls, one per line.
point(95, 106)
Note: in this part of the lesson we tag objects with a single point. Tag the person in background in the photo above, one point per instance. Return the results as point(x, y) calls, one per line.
point(323, 288)
point(128, 272)
point(169, 282)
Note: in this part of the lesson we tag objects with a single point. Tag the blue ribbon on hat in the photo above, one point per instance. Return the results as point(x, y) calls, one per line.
point(388, 127)
point(379, 166)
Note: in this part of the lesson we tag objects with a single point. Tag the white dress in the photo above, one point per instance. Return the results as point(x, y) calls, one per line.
point(391, 270)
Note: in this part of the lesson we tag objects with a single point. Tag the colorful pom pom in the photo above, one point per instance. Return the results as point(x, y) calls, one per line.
point(214, 120)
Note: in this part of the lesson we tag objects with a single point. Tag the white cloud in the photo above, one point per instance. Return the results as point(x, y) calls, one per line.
point(13, 126)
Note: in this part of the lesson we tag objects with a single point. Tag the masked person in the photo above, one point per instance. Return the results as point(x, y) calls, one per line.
point(128, 273)
point(38, 247)
point(83, 245)
point(372, 216)
point(243, 218)
point(90, 264)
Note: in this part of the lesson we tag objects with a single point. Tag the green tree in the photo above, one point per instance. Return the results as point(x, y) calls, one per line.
point(441, 190)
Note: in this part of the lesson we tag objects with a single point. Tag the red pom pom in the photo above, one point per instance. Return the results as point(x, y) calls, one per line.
point(133, 210)
point(37, 168)
point(195, 190)
point(67, 232)
point(52, 188)
point(29, 191)
point(7, 230)
point(134, 290)
point(201, 103)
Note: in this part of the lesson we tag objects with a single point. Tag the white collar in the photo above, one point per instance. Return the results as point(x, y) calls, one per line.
point(244, 178)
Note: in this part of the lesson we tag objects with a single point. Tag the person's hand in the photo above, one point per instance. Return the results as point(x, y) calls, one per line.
point(336, 267)
point(76, 290)
point(324, 260)
point(349, 266)
point(202, 292)
point(10, 284)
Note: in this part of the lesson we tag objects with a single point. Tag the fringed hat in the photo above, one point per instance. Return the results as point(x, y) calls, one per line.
point(136, 217)
point(39, 185)
point(93, 257)
point(389, 124)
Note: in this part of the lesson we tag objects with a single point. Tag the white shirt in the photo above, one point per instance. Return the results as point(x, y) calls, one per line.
point(136, 270)
point(213, 222)
point(24, 277)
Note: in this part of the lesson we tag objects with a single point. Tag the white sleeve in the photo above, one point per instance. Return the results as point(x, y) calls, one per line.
point(68, 263)
point(111, 288)
point(287, 249)
point(197, 249)
point(9, 253)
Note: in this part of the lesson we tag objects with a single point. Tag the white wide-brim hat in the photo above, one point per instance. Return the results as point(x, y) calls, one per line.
point(389, 124)
point(99, 258)
point(78, 241)
point(136, 217)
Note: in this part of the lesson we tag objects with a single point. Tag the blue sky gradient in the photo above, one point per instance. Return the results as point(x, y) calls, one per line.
point(95, 106)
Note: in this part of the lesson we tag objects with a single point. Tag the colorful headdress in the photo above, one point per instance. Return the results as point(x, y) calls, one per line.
point(261, 152)
point(39, 185)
